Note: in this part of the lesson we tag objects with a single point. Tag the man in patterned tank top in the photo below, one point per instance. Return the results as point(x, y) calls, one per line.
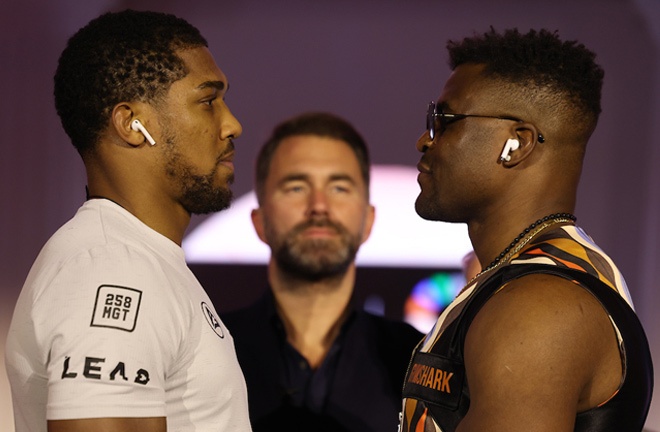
point(545, 338)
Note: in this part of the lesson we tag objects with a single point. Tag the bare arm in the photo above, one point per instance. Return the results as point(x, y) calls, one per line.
point(540, 351)
point(151, 424)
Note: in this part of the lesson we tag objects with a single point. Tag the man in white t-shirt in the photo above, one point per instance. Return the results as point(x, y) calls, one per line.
point(112, 331)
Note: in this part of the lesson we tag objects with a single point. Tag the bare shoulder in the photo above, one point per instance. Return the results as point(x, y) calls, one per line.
point(540, 350)
point(544, 305)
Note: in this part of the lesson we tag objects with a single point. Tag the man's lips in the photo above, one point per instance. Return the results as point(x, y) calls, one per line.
point(227, 163)
point(319, 231)
point(423, 168)
point(227, 160)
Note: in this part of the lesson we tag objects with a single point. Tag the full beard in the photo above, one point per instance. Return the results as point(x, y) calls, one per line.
point(199, 194)
point(315, 259)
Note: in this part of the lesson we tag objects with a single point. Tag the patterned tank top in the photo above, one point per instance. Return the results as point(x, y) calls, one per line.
point(436, 395)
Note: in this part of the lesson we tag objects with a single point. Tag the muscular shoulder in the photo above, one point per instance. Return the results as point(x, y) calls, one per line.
point(544, 303)
point(540, 304)
point(544, 343)
point(108, 284)
point(542, 318)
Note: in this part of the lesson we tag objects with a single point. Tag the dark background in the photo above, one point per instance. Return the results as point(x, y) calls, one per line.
point(375, 62)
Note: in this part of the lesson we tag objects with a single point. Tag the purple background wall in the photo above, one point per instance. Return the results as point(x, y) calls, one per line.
point(376, 62)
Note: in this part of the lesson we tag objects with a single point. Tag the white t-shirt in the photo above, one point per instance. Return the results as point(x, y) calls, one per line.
point(112, 323)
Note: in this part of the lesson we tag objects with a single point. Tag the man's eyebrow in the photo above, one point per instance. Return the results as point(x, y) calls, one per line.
point(218, 85)
point(342, 177)
point(333, 178)
point(305, 177)
point(443, 106)
point(293, 177)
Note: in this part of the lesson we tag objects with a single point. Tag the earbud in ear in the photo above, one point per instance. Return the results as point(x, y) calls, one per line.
point(509, 146)
point(138, 127)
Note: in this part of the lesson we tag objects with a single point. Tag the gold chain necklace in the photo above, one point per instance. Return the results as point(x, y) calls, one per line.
point(521, 241)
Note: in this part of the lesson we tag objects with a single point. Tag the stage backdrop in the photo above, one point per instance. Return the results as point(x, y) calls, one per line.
point(376, 62)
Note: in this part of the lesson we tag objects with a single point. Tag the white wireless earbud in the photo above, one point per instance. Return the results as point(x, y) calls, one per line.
point(509, 146)
point(137, 126)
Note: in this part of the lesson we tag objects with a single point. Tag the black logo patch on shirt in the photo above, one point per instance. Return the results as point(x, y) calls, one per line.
point(435, 380)
point(116, 307)
point(213, 320)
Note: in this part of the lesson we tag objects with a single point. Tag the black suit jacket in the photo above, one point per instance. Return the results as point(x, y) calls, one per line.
point(365, 394)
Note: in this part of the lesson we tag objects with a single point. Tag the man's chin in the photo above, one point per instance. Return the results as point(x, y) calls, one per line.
point(211, 203)
point(315, 272)
point(315, 263)
point(424, 209)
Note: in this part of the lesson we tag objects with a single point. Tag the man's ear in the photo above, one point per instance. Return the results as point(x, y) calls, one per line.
point(258, 224)
point(122, 116)
point(526, 138)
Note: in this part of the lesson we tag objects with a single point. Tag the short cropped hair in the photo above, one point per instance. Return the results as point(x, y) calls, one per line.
point(124, 56)
point(564, 68)
point(314, 123)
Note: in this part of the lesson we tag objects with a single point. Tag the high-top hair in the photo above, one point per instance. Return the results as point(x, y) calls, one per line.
point(564, 71)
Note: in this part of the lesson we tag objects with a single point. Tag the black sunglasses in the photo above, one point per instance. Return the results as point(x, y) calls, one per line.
point(438, 121)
